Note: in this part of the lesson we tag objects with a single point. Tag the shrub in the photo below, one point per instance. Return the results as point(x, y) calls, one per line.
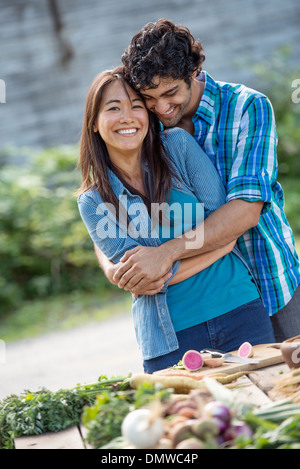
point(276, 77)
point(44, 246)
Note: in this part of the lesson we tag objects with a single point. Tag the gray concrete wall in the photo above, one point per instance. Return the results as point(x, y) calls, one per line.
point(45, 92)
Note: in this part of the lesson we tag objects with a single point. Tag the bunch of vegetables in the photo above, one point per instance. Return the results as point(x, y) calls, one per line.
point(33, 413)
point(150, 412)
point(213, 419)
point(275, 426)
point(196, 421)
point(104, 418)
point(171, 409)
point(288, 386)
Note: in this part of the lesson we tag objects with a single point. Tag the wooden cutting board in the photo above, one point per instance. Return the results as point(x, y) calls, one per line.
point(266, 354)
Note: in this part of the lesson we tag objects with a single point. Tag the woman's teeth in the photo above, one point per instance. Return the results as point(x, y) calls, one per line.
point(127, 131)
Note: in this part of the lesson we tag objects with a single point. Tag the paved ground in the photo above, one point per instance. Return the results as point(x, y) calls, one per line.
point(63, 359)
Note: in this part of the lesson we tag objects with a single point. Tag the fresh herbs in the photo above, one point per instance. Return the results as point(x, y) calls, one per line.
point(33, 413)
point(101, 406)
point(104, 418)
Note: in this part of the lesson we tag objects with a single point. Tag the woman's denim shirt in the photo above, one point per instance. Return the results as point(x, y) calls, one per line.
point(196, 175)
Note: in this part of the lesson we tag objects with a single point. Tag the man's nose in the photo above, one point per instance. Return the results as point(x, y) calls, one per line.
point(161, 107)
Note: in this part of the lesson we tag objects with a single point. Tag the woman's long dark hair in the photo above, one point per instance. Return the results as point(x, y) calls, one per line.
point(94, 159)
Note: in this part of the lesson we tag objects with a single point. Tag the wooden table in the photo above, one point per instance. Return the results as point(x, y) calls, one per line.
point(254, 388)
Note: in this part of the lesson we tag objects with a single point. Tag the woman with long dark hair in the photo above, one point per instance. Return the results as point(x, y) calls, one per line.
point(142, 187)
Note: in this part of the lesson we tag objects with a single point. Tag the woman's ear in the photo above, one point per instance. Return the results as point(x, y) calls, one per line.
point(95, 128)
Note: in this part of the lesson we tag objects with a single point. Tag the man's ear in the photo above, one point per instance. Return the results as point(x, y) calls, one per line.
point(195, 73)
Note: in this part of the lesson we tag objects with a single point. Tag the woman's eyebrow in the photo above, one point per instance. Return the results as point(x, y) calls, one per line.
point(112, 101)
point(118, 101)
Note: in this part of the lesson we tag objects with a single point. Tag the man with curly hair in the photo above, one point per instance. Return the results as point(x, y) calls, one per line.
point(236, 128)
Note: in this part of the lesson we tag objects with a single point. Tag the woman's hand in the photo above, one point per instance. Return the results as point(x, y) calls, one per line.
point(143, 269)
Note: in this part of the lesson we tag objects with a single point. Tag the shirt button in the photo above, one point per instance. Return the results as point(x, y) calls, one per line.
point(263, 173)
point(178, 185)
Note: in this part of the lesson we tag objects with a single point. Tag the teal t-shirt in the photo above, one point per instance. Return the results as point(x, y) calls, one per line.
point(220, 288)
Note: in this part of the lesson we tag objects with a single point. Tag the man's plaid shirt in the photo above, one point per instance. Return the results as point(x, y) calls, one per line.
point(235, 126)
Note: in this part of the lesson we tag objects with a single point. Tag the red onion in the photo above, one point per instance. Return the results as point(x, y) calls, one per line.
point(219, 410)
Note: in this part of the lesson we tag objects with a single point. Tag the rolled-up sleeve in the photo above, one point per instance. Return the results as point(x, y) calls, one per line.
point(105, 231)
point(254, 166)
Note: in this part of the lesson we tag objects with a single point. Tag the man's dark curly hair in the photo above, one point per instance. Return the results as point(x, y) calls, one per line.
point(163, 49)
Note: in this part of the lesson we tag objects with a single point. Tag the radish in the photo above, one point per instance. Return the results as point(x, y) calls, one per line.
point(214, 362)
point(246, 350)
point(192, 360)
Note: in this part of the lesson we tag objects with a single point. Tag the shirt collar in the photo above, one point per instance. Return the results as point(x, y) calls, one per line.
point(116, 184)
point(207, 102)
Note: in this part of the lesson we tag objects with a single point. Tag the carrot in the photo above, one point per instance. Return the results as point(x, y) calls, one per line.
point(170, 372)
point(229, 378)
point(180, 384)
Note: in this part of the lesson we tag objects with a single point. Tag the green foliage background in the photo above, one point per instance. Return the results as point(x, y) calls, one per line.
point(44, 245)
point(276, 77)
point(45, 249)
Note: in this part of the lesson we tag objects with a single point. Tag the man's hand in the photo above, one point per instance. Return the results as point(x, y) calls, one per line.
point(141, 268)
point(151, 289)
point(109, 269)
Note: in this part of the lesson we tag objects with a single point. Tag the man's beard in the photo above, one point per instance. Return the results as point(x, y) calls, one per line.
point(180, 111)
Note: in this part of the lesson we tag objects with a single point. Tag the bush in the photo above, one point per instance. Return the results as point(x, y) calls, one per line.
point(276, 77)
point(44, 246)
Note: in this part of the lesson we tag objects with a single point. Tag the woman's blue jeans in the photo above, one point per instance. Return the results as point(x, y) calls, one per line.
point(249, 322)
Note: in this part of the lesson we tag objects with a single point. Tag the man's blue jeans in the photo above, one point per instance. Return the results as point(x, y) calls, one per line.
point(249, 322)
point(286, 323)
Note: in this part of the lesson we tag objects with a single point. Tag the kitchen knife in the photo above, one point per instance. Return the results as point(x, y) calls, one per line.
point(229, 357)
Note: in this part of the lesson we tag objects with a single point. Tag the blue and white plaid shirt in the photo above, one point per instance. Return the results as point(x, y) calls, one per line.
point(235, 126)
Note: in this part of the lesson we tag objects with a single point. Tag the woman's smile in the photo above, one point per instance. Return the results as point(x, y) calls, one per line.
point(127, 132)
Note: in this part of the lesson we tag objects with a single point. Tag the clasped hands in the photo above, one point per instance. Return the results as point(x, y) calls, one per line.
point(142, 271)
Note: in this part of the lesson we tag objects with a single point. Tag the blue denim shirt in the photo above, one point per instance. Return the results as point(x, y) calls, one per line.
point(196, 175)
